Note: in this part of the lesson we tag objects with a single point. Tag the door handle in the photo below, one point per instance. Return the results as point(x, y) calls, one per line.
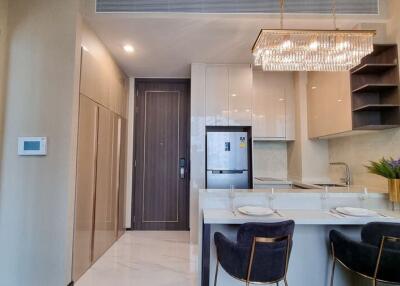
point(182, 164)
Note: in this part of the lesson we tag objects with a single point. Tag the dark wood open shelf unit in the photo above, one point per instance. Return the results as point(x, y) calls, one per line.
point(375, 90)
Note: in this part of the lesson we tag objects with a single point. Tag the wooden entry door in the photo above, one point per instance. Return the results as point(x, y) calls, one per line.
point(161, 188)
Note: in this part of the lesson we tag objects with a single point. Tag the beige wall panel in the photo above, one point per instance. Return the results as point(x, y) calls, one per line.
point(36, 193)
point(85, 186)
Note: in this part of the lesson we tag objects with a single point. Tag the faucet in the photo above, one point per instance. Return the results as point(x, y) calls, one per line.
point(347, 178)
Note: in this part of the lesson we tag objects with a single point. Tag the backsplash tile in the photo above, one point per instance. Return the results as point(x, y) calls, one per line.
point(358, 150)
point(270, 159)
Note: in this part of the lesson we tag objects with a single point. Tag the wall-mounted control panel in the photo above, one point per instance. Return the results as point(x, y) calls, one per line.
point(32, 146)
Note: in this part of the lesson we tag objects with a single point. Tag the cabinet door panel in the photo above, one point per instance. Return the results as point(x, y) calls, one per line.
point(105, 225)
point(269, 107)
point(94, 80)
point(122, 178)
point(240, 95)
point(85, 186)
point(217, 105)
point(329, 103)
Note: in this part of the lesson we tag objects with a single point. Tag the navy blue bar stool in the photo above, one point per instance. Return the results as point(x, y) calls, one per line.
point(259, 255)
point(376, 256)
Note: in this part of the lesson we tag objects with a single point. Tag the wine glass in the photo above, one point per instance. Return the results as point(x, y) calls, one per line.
point(363, 196)
point(232, 198)
point(271, 198)
point(324, 198)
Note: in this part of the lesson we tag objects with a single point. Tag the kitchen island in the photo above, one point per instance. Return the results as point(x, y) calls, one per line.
point(310, 209)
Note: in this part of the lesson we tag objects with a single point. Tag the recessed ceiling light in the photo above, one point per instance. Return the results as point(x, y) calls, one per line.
point(313, 87)
point(129, 49)
point(233, 94)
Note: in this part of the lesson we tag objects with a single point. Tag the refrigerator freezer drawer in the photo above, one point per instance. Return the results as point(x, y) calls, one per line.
point(226, 179)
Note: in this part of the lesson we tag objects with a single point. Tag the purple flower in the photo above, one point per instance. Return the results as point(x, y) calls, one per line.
point(395, 163)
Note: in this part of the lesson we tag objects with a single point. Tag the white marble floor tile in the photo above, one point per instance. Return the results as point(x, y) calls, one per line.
point(146, 258)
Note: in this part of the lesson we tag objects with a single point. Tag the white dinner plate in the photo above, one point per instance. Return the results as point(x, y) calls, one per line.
point(255, 210)
point(356, 212)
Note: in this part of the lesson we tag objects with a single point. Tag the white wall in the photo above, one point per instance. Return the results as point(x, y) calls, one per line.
point(36, 196)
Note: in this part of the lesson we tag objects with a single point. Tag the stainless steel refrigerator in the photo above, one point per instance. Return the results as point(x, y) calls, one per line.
point(227, 160)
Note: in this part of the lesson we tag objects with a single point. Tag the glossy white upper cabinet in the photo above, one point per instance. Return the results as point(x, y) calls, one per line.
point(273, 106)
point(228, 95)
point(240, 95)
point(217, 101)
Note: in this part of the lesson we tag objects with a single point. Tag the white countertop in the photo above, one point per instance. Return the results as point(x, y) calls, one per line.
point(348, 191)
point(301, 217)
point(271, 181)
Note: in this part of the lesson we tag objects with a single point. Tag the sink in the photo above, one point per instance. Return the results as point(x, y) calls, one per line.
point(331, 185)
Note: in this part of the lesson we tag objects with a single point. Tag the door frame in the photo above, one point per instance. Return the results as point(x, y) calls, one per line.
point(135, 130)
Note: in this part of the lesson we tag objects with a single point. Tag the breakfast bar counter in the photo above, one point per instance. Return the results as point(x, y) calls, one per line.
point(310, 261)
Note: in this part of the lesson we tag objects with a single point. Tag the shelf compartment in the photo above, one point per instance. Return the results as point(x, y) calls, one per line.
point(376, 107)
point(376, 127)
point(375, 87)
point(373, 68)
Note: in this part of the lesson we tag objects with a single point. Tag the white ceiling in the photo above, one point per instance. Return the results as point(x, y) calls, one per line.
point(166, 44)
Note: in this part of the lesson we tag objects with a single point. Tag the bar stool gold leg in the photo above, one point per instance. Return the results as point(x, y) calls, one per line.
point(216, 274)
point(333, 270)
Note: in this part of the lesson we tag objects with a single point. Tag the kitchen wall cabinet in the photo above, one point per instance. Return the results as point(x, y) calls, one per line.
point(328, 103)
point(362, 100)
point(228, 95)
point(240, 95)
point(217, 100)
point(273, 106)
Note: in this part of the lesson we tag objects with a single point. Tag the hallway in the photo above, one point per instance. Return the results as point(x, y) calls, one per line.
point(146, 258)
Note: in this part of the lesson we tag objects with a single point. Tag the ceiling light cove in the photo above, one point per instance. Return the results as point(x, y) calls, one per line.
point(129, 48)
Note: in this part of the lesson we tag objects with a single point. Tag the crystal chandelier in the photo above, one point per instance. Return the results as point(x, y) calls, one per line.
point(311, 50)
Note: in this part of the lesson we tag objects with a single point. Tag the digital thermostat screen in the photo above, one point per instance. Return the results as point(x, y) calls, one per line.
point(32, 145)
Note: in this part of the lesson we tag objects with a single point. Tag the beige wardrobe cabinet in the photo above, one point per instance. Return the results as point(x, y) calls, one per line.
point(100, 170)
point(328, 104)
point(228, 95)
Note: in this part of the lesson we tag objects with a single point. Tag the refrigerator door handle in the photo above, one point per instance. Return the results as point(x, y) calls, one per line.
point(228, 171)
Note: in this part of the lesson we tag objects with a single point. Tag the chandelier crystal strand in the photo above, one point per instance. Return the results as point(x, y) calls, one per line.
point(311, 50)
point(305, 50)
